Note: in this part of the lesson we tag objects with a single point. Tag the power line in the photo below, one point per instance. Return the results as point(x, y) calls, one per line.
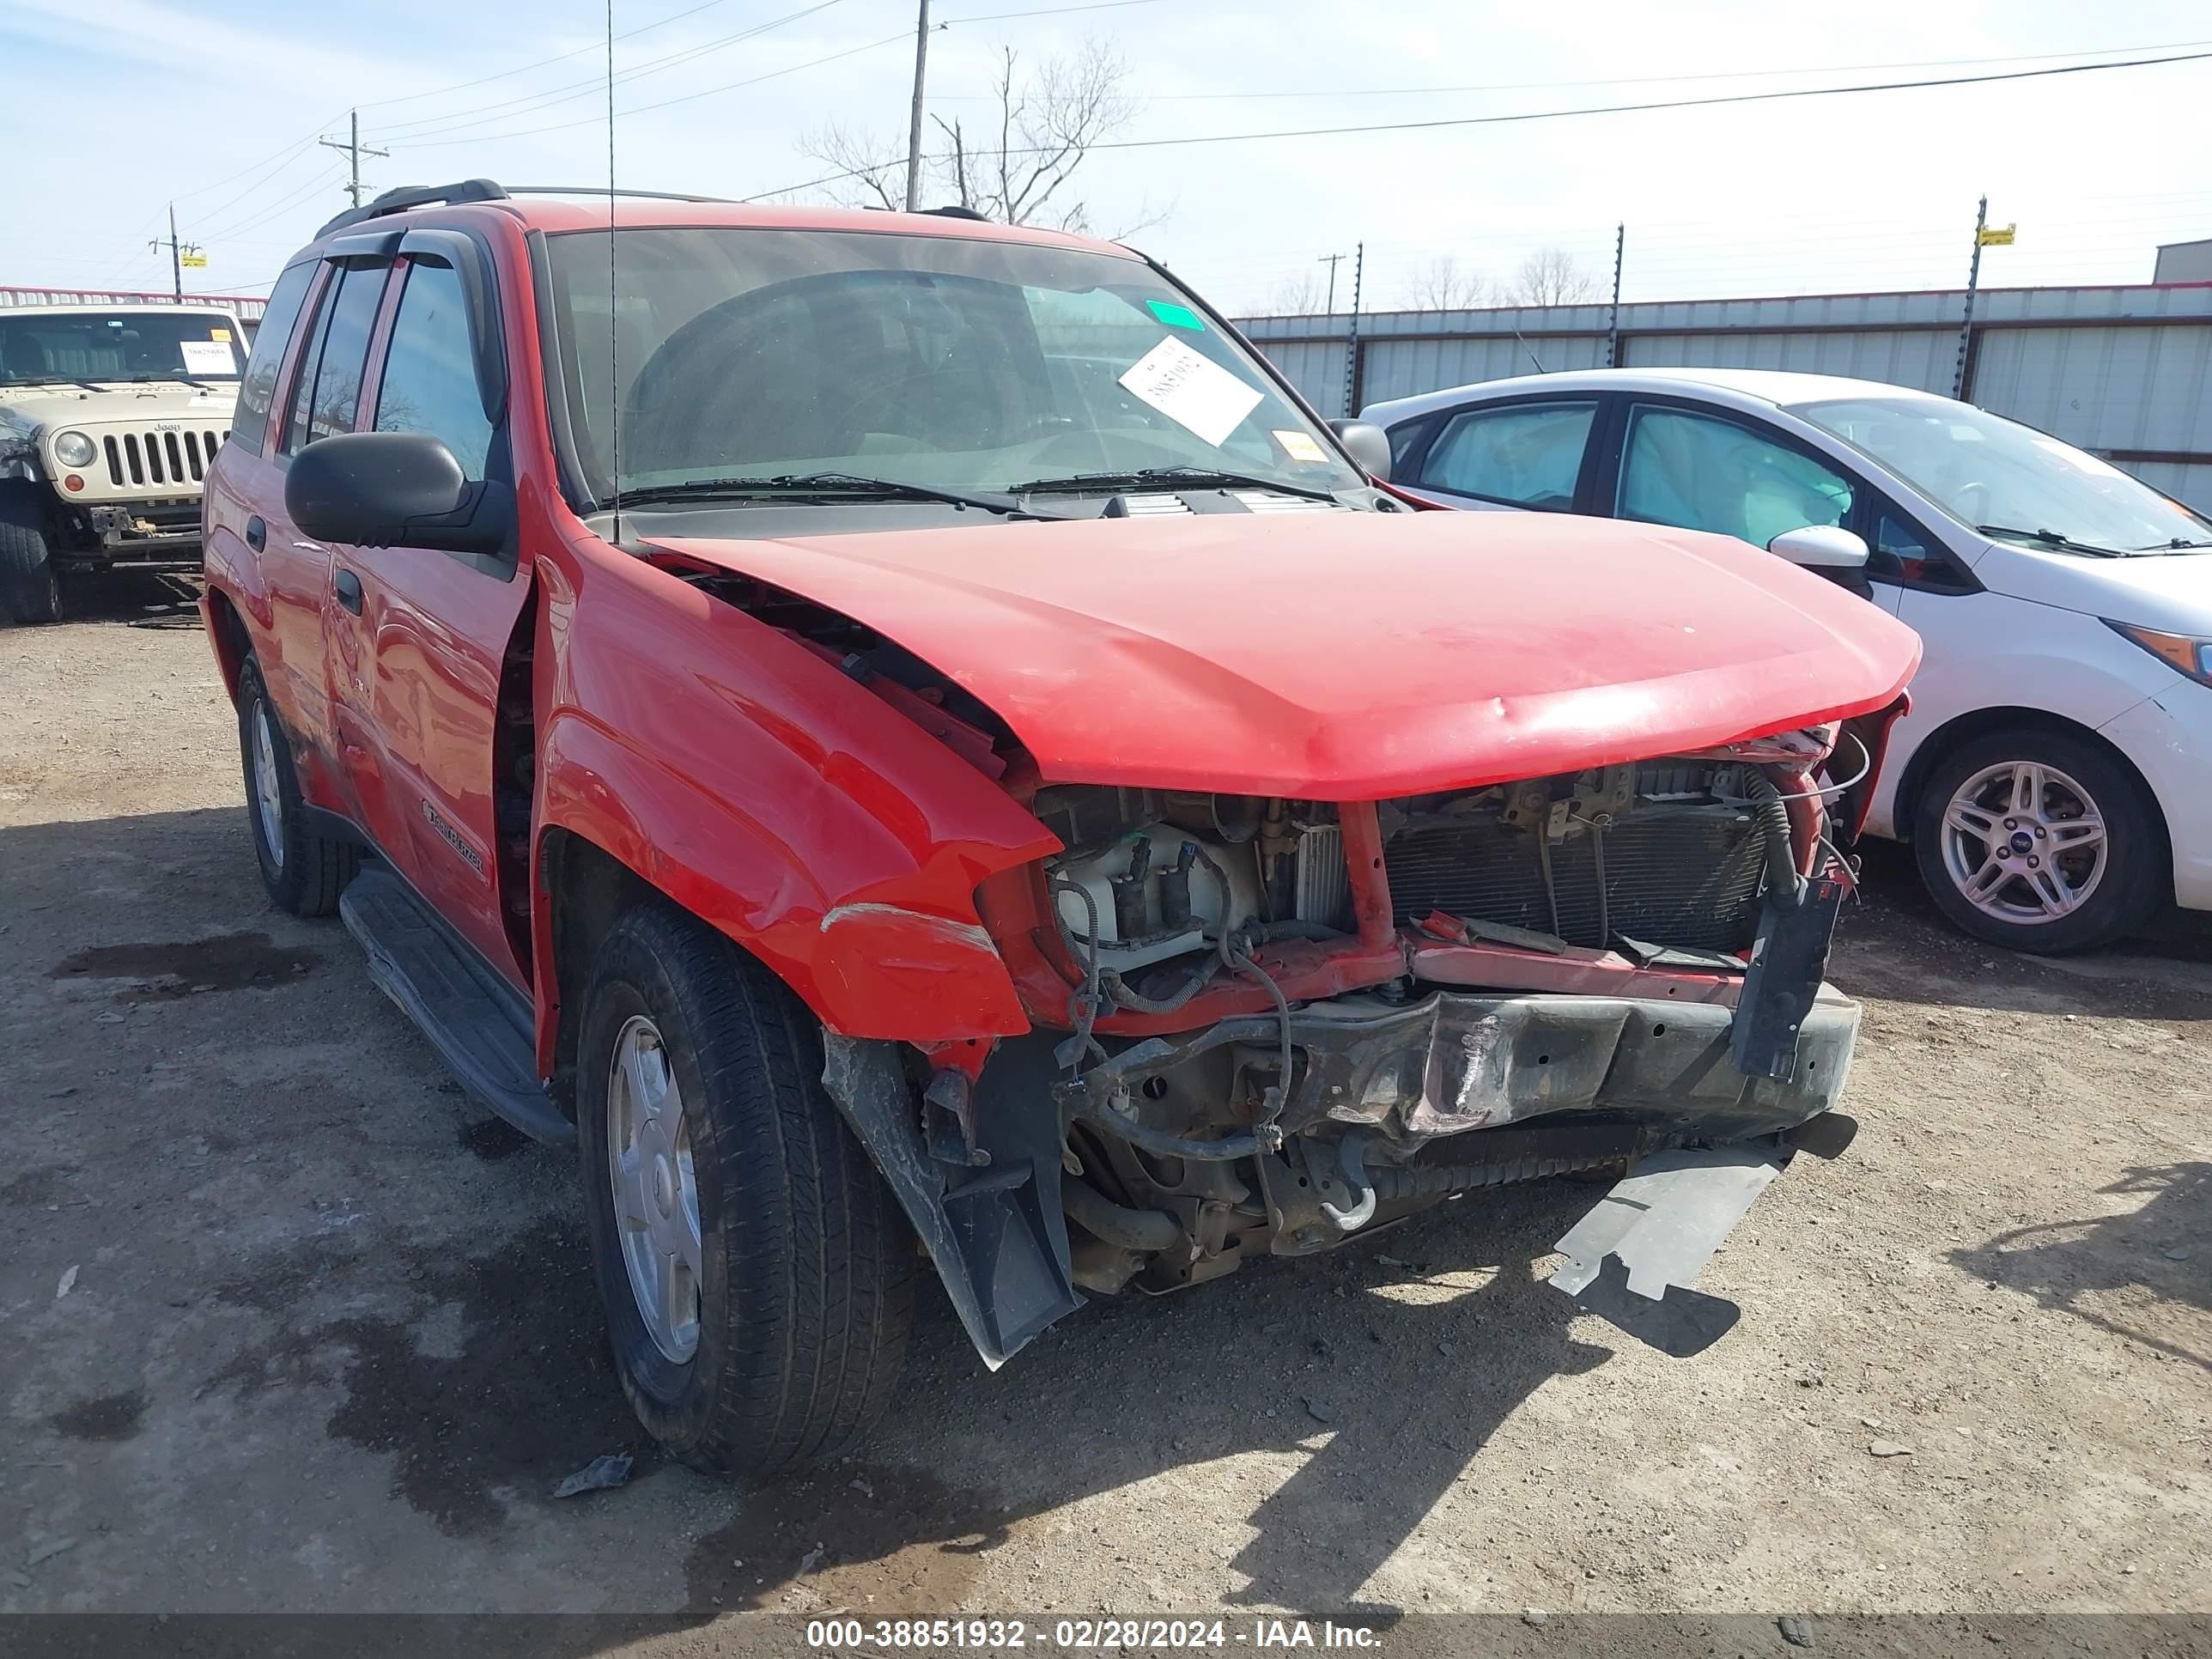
point(449, 122)
point(643, 109)
point(1549, 114)
point(557, 57)
point(1668, 80)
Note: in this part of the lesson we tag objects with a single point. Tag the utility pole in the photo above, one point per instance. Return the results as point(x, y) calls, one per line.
point(357, 149)
point(1331, 260)
point(1973, 281)
point(1612, 321)
point(913, 120)
point(178, 252)
point(1351, 376)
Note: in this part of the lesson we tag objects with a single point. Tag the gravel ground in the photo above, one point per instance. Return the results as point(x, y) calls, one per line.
point(288, 1324)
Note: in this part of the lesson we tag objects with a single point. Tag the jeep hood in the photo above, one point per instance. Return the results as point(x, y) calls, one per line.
point(53, 407)
point(1350, 656)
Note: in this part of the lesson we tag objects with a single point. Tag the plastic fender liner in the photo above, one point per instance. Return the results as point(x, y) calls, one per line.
point(995, 1233)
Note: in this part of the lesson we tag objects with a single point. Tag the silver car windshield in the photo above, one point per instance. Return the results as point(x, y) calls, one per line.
point(942, 362)
point(2009, 480)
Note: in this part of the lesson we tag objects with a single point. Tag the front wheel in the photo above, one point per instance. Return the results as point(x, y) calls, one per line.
point(30, 589)
point(756, 1272)
point(2040, 841)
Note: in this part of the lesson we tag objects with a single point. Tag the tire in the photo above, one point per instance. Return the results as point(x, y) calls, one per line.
point(304, 873)
point(2093, 891)
point(30, 589)
point(803, 1288)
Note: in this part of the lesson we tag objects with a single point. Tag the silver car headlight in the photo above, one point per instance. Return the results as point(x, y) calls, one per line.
point(75, 449)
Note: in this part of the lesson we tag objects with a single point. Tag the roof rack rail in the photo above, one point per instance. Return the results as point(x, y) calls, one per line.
point(958, 212)
point(415, 196)
point(601, 189)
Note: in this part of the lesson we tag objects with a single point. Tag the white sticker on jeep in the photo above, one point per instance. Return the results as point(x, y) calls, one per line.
point(207, 357)
point(1191, 390)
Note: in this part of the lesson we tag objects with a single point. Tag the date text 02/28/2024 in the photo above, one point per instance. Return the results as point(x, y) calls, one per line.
point(949, 1634)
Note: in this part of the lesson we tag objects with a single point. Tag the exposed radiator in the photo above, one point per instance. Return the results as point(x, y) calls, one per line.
point(1684, 878)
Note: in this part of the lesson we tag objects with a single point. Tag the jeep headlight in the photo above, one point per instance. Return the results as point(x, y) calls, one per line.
point(75, 449)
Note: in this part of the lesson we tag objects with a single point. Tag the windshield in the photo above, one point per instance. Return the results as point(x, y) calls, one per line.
point(116, 345)
point(954, 363)
point(2007, 479)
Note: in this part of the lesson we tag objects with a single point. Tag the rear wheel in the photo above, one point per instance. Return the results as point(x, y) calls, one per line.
point(756, 1272)
point(304, 873)
point(2039, 840)
point(30, 591)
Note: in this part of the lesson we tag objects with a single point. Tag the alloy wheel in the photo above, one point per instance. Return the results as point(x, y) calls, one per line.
point(267, 789)
point(656, 1191)
point(2024, 842)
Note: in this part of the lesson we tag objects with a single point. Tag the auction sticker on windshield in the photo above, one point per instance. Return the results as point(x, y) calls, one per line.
point(207, 357)
point(1191, 390)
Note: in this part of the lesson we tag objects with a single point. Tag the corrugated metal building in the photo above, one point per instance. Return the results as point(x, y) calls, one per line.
point(2124, 371)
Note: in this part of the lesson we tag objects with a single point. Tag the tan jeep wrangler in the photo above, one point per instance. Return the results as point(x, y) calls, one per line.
point(110, 417)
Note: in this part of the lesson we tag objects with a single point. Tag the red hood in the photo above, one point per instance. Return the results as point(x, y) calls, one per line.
point(1353, 656)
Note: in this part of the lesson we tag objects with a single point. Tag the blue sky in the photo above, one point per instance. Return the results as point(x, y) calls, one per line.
point(121, 105)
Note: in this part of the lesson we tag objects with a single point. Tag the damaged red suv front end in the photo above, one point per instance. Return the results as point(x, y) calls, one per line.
point(1390, 858)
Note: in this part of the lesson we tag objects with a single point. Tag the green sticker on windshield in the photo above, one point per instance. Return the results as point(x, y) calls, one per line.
point(1176, 316)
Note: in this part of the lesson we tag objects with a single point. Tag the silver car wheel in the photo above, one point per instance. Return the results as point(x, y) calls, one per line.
point(268, 791)
point(656, 1192)
point(2024, 842)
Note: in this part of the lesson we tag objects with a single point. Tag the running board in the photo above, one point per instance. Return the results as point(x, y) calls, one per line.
point(474, 1019)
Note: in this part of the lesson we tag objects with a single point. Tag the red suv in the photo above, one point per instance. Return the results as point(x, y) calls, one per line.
point(881, 725)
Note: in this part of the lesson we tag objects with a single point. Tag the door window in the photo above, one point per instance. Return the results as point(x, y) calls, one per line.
point(249, 425)
point(1700, 473)
point(429, 382)
point(1523, 454)
point(327, 395)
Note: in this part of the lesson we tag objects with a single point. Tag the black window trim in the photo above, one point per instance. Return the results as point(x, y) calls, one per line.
point(1441, 422)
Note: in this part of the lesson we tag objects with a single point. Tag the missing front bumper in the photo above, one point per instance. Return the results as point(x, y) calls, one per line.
point(1458, 1063)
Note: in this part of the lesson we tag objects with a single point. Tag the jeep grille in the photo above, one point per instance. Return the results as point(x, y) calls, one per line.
point(161, 457)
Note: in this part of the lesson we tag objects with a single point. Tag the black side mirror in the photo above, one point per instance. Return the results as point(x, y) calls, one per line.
point(1369, 447)
point(394, 489)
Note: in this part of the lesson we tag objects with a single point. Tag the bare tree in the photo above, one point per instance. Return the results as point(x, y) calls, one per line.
point(1441, 285)
point(1015, 168)
point(1551, 277)
point(875, 167)
point(1301, 295)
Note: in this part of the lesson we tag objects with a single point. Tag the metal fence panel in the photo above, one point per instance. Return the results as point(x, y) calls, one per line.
point(1403, 368)
point(1925, 359)
point(2126, 389)
point(2124, 371)
point(1315, 367)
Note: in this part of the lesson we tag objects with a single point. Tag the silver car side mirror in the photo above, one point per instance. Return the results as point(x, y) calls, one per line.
point(1821, 547)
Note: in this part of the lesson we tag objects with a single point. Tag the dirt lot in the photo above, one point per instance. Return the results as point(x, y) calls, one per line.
point(287, 1323)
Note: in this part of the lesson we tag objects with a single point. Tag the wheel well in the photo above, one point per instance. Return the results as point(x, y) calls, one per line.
point(226, 628)
point(586, 888)
point(1982, 721)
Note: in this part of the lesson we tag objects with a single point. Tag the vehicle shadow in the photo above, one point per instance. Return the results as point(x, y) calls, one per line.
point(1386, 1367)
point(2123, 1273)
point(141, 599)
